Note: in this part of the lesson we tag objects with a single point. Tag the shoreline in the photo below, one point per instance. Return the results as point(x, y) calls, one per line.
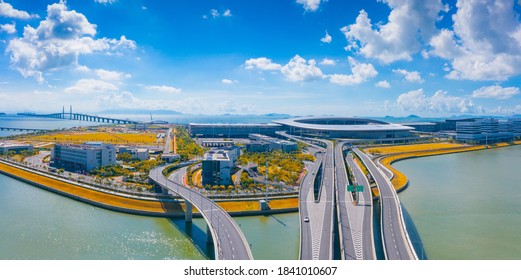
point(136, 206)
point(400, 181)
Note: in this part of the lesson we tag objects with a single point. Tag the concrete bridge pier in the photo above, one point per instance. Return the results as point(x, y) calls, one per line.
point(209, 238)
point(188, 211)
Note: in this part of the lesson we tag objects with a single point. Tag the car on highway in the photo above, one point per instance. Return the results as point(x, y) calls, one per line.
point(306, 220)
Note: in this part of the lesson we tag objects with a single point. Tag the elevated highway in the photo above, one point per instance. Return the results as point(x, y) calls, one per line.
point(396, 242)
point(317, 233)
point(355, 221)
point(229, 241)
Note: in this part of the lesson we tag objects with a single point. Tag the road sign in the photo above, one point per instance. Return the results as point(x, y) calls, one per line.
point(350, 188)
point(359, 188)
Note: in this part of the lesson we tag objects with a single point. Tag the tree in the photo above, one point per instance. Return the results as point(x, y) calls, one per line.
point(125, 157)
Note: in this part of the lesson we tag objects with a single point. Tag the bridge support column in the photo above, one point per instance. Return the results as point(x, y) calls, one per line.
point(209, 238)
point(188, 212)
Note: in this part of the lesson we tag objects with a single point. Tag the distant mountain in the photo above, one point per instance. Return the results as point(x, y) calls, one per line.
point(2, 114)
point(276, 115)
point(140, 112)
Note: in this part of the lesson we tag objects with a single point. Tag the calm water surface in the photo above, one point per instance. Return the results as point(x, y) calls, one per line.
point(467, 205)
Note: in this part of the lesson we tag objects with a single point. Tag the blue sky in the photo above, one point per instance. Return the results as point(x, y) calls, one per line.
point(300, 57)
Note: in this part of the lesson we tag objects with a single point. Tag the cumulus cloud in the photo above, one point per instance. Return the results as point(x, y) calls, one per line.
point(440, 102)
point(163, 89)
point(495, 92)
point(361, 72)
point(298, 70)
point(310, 5)
point(107, 75)
point(7, 10)
point(410, 76)
point(58, 41)
point(262, 63)
point(410, 23)
point(328, 62)
point(485, 43)
point(327, 38)
point(89, 86)
point(8, 28)
point(229, 82)
point(383, 84)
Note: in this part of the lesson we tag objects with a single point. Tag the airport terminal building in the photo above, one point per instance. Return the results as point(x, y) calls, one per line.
point(343, 127)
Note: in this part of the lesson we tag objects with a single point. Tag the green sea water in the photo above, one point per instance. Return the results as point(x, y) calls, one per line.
point(467, 205)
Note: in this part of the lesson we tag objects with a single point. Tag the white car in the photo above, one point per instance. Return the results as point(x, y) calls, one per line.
point(306, 220)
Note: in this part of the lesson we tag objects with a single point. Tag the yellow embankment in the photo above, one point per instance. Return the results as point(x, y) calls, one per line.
point(115, 202)
point(92, 195)
point(396, 153)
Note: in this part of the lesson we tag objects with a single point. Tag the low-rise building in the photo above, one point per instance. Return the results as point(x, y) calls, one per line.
point(232, 130)
point(263, 143)
point(217, 165)
point(84, 157)
point(6, 147)
point(136, 153)
point(169, 157)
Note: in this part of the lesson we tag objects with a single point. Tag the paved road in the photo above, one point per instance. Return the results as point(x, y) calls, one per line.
point(397, 245)
point(229, 241)
point(361, 215)
point(37, 160)
point(168, 141)
point(316, 239)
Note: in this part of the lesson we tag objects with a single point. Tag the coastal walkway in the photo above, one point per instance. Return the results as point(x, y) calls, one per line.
point(229, 241)
point(396, 242)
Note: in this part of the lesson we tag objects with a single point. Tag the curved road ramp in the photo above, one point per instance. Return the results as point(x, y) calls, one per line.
point(396, 241)
point(229, 241)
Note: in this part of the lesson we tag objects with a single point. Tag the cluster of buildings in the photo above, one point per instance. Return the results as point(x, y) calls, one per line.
point(92, 155)
point(488, 130)
point(263, 143)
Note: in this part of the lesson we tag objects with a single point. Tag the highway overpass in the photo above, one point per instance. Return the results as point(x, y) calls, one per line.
point(229, 241)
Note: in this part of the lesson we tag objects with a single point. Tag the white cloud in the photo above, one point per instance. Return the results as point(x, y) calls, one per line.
point(298, 69)
point(105, 2)
point(410, 76)
point(310, 5)
point(7, 10)
point(8, 28)
point(107, 75)
point(361, 72)
point(58, 41)
point(123, 99)
point(485, 43)
point(440, 102)
point(496, 92)
point(410, 23)
point(89, 86)
point(229, 82)
point(215, 13)
point(163, 89)
point(261, 63)
point(327, 61)
point(383, 84)
point(327, 38)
